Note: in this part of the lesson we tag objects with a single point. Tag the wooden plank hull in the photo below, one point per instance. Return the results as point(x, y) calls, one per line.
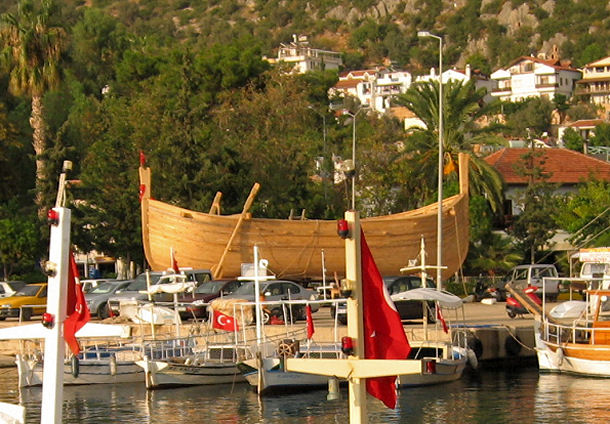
point(293, 247)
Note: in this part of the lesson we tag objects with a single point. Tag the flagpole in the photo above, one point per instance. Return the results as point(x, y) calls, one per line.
point(355, 327)
point(54, 347)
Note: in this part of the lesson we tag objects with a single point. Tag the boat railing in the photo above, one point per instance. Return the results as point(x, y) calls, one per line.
point(560, 334)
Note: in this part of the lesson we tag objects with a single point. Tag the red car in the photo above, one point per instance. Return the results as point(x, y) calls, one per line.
point(194, 304)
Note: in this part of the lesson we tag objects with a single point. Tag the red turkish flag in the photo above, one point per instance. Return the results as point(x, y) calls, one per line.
point(174, 261)
point(441, 318)
point(77, 311)
point(384, 336)
point(223, 322)
point(310, 329)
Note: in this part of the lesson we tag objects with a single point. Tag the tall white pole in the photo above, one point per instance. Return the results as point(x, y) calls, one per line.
point(257, 298)
point(439, 219)
point(54, 346)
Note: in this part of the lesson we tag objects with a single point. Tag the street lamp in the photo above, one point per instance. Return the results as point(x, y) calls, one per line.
point(324, 173)
point(353, 115)
point(439, 219)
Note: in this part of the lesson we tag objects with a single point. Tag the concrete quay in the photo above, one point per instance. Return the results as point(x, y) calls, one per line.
point(491, 333)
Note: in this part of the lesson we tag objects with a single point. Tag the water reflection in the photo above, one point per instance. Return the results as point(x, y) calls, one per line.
point(489, 396)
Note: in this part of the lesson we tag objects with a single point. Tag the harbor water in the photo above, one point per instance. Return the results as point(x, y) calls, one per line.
point(498, 395)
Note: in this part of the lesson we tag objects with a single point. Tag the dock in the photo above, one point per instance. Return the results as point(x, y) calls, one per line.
point(492, 335)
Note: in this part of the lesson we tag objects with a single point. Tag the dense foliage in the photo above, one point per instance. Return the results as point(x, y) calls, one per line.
point(185, 83)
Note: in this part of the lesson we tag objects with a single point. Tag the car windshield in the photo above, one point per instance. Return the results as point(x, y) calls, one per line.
point(28, 291)
point(210, 288)
point(247, 289)
point(139, 284)
point(103, 288)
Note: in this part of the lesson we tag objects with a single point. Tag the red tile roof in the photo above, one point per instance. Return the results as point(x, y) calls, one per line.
point(565, 165)
point(586, 123)
point(553, 63)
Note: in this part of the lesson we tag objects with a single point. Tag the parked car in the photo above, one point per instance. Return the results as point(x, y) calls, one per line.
point(136, 290)
point(278, 290)
point(523, 276)
point(30, 300)
point(88, 285)
point(97, 298)
point(194, 304)
point(407, 309)
point(9, 288)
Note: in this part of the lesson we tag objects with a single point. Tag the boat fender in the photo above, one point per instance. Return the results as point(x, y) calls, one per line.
point(112, 365)
point(74, 367)
point(475, 344)
point(512, 345)
point(558, 357)
point(472, 359)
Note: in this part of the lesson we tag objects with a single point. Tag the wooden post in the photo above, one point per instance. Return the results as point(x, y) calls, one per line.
point(215, 208)
point(217, 269)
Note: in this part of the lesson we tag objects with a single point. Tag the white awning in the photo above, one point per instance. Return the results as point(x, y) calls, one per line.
point(445, 299)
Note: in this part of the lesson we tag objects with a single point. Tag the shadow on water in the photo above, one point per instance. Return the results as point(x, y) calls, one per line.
point(496, 395)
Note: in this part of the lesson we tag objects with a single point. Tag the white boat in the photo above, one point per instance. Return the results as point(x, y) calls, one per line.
point(101, 363)
point(267, 374)
point(213, 360)
point(443, 359)
point(576, 339)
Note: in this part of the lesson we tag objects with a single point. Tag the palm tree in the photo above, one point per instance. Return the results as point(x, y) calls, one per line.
point(462, 108)
point(31, 50)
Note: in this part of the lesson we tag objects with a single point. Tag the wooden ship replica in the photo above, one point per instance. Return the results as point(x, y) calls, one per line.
point(293, 247)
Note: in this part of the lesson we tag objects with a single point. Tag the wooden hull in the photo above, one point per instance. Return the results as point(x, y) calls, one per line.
point(293, 247)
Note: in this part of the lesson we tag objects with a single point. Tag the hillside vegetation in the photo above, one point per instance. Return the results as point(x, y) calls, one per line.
point(486, 33)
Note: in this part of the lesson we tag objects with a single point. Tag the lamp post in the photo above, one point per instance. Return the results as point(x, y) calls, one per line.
point(354, 115)
point(439, 220)
point(324, 172)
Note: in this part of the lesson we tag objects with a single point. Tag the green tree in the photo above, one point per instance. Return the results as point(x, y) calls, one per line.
point(534, 227)
point(18, 239)
point(32, 46)
point(533, 113)
point(602, 135)
point(495, 255)
point(586, 215)
point(461, 111)
point(572, 140)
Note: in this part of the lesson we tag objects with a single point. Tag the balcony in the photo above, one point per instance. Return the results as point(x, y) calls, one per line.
point(507, 89)
point(547, 85)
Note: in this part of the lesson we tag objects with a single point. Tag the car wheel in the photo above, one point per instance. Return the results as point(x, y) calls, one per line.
point(511, 313)
point(26, 314)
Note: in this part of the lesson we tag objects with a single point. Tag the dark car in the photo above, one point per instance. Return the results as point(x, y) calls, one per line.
point(278, 290)
point(194, 304)
point(97, 297)
point(137, 289)
point(407, 309)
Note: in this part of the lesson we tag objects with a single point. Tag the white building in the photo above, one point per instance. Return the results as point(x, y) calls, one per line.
point(529, 76)
point(465, 75)
point(305, 58)
point(595, 83)
point(373, 87)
